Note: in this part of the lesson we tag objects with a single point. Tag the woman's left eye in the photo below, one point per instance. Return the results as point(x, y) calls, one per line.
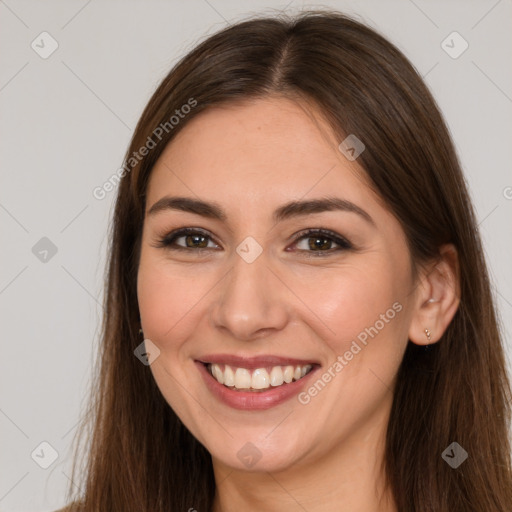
point(318, 242)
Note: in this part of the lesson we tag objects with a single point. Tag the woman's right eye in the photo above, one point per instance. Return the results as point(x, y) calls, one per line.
point(187, 239)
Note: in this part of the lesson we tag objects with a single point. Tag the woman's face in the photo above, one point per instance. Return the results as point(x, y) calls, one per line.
point(251, 291)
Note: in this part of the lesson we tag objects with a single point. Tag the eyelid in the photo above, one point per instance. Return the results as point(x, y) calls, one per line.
point(343, 243)
point(168, 239)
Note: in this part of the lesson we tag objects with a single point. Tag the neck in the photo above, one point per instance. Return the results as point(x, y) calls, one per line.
point(349, 477)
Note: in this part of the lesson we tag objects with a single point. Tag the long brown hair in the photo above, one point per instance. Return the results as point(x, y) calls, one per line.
point(140, 456)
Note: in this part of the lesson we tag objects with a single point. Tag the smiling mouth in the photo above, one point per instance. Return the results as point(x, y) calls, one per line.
point(258, 379)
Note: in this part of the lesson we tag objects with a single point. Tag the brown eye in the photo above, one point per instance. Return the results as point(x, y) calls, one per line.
point(194, 241)
point(187, 239)
point(321, 242)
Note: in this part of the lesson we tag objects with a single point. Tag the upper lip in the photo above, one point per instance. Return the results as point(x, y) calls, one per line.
point(253, 362)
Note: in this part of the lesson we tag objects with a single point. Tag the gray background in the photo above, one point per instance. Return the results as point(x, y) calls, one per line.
point(65, 125)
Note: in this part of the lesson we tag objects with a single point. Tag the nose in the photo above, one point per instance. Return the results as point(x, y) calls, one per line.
point(251, 301)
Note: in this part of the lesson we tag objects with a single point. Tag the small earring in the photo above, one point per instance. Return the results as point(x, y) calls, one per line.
point(428, 334)
point(140, 331)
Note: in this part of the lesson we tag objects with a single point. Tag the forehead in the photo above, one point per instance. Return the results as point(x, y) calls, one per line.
point(256, 154)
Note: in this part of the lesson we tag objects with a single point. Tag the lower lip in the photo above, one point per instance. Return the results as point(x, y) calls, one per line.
point(253, 400)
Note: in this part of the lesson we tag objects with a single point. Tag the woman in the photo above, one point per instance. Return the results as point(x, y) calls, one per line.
point(298, 311)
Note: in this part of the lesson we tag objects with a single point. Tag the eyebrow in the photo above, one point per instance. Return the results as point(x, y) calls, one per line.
point(289, 210)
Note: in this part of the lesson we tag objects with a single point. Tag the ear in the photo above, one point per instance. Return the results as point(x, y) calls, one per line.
point(437, 297)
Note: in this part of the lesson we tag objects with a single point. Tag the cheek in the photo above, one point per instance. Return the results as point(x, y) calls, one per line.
point(164, 298)
point(351, 300)
point(365, 311)
point(171, 301)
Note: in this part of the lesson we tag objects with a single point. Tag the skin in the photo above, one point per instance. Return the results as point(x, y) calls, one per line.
point(251, 158)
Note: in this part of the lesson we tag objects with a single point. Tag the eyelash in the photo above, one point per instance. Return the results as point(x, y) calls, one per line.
point(343, 244)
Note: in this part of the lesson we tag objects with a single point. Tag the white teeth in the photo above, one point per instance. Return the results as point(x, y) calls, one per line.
point(259, 379)
point(242, 378)
point(217, 373)
point(229, 376)
point(288, 374)
point(276, 376)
